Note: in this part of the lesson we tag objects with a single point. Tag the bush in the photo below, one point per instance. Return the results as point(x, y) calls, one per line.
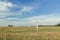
point(10, 25)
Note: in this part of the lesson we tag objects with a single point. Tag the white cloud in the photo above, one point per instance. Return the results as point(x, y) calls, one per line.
point(4, 8)
point(25, 9)
point(11, 18)
point(5, 11)
point(4, 5)
point(51, 19)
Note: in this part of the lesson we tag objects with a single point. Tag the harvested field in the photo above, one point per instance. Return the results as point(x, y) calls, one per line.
point(29, 33)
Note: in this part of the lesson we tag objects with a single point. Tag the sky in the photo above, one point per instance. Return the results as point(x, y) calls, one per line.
point(29, 12)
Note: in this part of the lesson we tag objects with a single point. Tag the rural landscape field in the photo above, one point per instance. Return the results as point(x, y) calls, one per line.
point(29, 19)
point(29, 33)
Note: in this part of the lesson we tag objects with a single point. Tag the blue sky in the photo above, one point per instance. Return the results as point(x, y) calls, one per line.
point(28, 12)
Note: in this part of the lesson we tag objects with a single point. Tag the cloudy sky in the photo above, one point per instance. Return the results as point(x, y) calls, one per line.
point(29, 12)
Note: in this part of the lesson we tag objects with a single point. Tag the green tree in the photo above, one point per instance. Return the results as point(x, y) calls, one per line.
point(58, 24)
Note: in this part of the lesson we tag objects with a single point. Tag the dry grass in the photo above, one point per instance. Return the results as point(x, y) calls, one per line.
point(29, 33)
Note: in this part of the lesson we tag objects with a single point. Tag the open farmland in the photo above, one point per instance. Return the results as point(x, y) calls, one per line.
point(29, 33)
